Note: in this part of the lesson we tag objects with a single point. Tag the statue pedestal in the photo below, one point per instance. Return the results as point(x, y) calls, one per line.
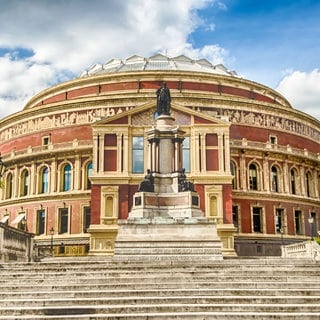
point(175, 206)
point(167, 223)
point(164, 239)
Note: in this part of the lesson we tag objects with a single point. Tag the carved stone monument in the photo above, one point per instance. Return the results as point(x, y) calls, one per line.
point(166, 220)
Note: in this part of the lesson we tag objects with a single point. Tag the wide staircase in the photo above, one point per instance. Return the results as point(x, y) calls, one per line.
point(87, 288)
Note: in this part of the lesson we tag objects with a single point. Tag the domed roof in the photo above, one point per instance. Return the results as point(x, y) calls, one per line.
point(157, 62)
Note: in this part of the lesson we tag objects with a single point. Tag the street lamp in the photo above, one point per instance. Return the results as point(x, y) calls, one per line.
point(52, 232)
point(310, 220)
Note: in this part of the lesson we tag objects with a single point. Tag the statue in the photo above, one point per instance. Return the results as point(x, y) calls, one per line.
point(163, 100)
point(147, 183)
point(184, 185)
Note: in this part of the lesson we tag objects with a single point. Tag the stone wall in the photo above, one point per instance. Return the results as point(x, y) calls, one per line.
point(15, 245)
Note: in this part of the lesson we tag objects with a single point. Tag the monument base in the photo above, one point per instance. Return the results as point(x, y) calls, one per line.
point(175, 206)
point(167, 239)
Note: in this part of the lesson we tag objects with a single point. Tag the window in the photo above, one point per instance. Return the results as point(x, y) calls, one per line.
point(86, 218)
point(234, 174)
point(273, 139)
point(44, 180)
point(257, 219)
point(298, 222)
point(9, 186)
point(308, 184)
point(45, 142)
point(24, 183)
point(88, 174)
point(279, 221)
point(293, 181)
point(235, 216)
point(253, 177)
point(137, 155)
point(186, 154)
point(67, 175)
point(274, 179)
point(63, 220)
point(41, 218)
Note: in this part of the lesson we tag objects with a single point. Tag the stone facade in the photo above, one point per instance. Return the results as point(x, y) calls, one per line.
point(69, 156)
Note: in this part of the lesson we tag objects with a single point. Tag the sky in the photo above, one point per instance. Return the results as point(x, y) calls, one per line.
point(274, 42)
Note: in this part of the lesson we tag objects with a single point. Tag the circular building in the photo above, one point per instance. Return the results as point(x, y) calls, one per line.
point(76, 153)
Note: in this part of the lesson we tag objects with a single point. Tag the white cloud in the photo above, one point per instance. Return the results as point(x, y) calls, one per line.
point(302, 89)
point(75, 34)
point(19, 80)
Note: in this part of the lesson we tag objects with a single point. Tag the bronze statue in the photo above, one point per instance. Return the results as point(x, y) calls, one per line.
point(183, 184)
point(147, 184)
point(163, 100)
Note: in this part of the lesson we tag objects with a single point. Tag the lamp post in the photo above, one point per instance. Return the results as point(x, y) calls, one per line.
point(310, 220)
point(52, 232)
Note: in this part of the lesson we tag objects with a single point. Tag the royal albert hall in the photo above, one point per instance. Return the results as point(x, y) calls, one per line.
point(76, 153)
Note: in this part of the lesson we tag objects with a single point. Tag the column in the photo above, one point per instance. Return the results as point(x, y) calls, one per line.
point(33, 178)
point(302, 181)
point(77, 173)
point(53, 176)
point(202, 152)
point(220, 151)
point(286, 177)
point(119, 153)
point(125, 152)
point(265, 174)
point(95, 152)
point(243, 172)
point(101, 153)
point(227, 152)
point(16, 182)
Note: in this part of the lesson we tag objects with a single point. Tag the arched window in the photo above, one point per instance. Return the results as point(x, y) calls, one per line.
point(253, 177)
point(233, 170)
point(89, 169)
point(9, 186)
point(274, 179)
point(44, 180)
point(24, 188)
point(293, 181)
point(308, 184)
point(67, 176)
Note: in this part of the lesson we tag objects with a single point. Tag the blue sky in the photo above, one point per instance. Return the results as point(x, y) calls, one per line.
point(274, 42)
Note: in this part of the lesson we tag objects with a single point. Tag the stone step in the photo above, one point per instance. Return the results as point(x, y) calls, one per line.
point(124, 276)
point(164, 289)
point(232, 264)
point(177, 316)
point(161, 285)
point(313, 271)
point(154, 300)
point(161, 308)
point(48, 294)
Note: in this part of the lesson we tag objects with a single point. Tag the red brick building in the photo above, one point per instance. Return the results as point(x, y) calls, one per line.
point(77, 151)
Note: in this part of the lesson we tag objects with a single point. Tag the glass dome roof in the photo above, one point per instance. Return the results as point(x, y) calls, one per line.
point(157, 62)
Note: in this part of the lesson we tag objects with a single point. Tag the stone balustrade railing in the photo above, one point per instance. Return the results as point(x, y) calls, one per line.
point(15, 244)
point(244, 143)
point(48, 148)
point(308, 249)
